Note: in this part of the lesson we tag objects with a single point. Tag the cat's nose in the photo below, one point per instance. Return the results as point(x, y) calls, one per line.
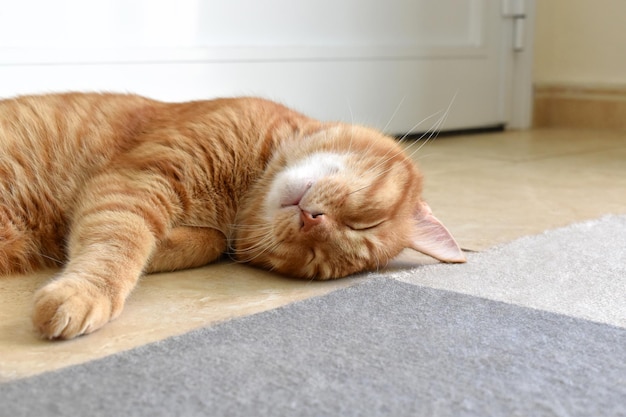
point(310, 219)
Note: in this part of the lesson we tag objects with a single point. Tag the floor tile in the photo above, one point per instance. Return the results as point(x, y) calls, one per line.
point(489, 201)
point(162, 305)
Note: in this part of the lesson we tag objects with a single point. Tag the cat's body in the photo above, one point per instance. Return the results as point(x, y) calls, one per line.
point(113, 186)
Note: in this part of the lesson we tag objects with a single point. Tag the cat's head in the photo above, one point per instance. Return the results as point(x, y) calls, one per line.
point(342, 200)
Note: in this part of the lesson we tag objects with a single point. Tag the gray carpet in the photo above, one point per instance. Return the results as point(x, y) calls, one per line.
point(383, 347)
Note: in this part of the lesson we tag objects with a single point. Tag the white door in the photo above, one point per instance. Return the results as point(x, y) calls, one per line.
point(385, 63)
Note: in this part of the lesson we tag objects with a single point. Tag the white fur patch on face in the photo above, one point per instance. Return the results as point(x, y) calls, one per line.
point(293, 182)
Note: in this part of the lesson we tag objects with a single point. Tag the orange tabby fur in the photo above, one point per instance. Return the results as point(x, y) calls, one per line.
point(113, 186)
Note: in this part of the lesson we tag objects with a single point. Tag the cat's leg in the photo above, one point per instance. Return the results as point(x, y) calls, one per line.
point(187, 247)
point(119, 219)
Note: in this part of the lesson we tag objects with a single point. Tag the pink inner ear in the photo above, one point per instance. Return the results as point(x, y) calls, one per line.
point(433, 239)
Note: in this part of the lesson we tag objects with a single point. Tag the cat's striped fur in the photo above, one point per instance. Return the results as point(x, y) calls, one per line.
point(112, 186)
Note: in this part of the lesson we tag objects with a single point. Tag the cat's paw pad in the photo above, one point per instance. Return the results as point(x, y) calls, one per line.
point(69, 307)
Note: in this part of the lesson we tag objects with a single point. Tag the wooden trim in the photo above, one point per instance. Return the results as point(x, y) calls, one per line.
point(580, 106)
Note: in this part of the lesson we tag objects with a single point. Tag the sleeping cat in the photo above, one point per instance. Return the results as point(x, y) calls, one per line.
point(114, 186)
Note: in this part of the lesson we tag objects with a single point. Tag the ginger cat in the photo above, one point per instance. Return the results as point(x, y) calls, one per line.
point(114, 186)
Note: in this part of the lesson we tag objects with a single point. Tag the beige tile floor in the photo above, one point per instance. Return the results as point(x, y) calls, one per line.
point(488, 189)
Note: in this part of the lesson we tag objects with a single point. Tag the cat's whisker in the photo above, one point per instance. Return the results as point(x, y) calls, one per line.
point(395, 112)
point(58, 261)
point(415, 126)
point(360, 189)
point(350, 110)
point(253, 226)
point(251, 232)
point(260, 232)
point(257, 239)
point(437, 123)
point(254, 247)
point(393, 115)
point(435, 128)
point(430, 134)
point(268, 248)
point(249, 227)
point(426, 137)
point(351, 139)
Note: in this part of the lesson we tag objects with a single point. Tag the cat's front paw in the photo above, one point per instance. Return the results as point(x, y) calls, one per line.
point(71, 306)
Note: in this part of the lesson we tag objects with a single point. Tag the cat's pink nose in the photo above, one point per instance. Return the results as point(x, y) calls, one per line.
point(310, 219)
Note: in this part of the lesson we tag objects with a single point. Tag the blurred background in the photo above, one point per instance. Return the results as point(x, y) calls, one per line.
point(388, 64)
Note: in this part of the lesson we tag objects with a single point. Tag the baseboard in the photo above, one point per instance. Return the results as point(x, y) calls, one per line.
point(579, 106)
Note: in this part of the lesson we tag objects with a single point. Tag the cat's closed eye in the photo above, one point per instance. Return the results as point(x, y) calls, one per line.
point(360, 227)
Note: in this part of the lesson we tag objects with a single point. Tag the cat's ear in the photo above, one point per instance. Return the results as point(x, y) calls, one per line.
point(432, 238)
